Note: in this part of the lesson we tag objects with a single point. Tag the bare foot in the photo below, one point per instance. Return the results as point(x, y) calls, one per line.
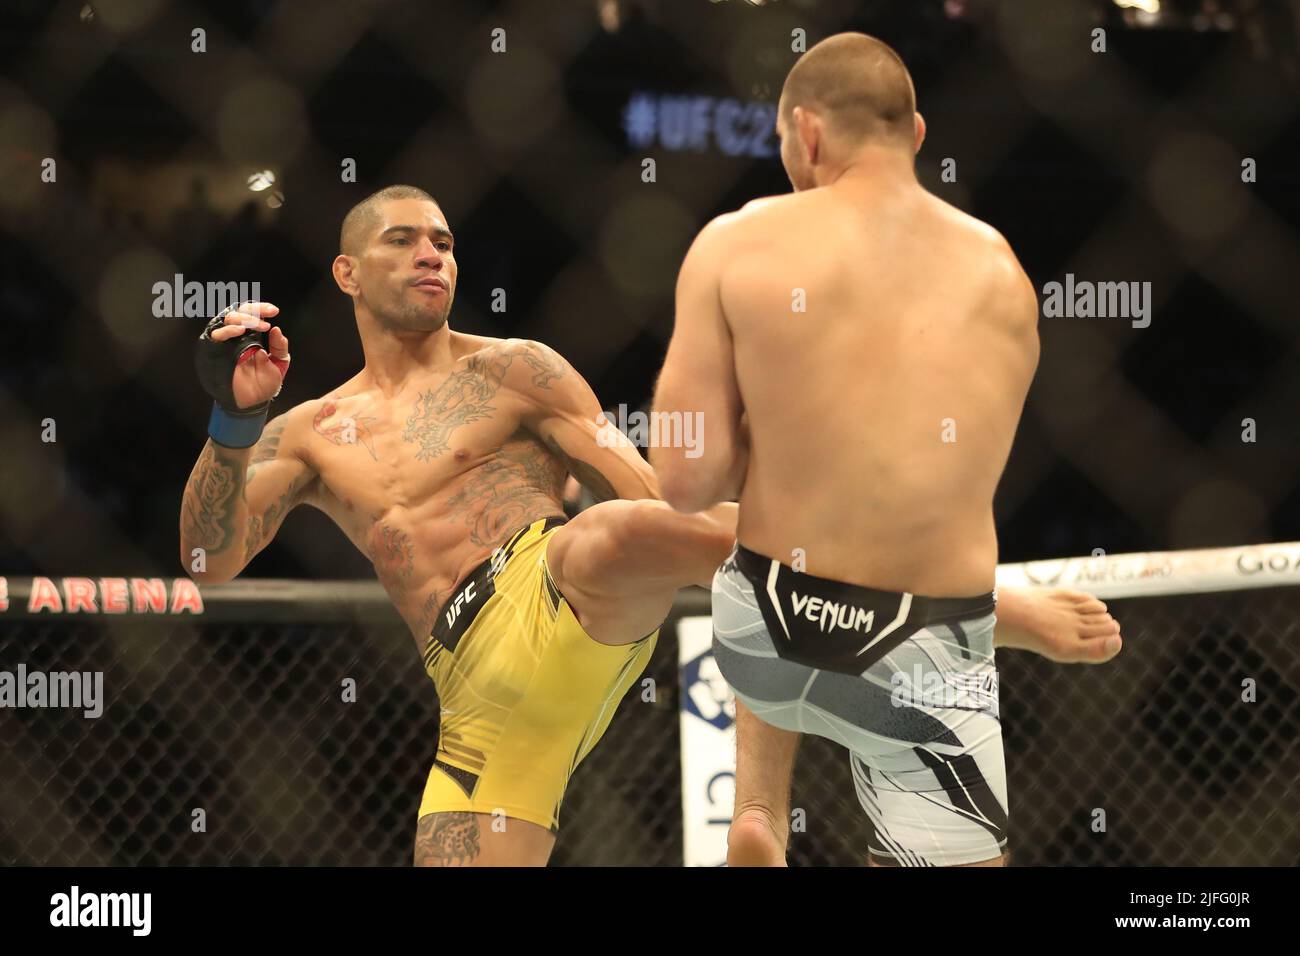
point(752, 840)
point(1068, 627)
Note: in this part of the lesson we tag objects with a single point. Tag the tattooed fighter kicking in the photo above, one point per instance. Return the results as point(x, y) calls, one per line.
point(444, 461)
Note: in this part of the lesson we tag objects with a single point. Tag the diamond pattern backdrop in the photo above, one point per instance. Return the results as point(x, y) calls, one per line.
point(244, 719)
point(1116, 166)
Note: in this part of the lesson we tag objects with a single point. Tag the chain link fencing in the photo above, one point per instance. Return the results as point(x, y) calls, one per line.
point(238, 720)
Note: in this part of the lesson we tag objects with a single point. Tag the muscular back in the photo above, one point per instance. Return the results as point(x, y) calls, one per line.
point(880, 416)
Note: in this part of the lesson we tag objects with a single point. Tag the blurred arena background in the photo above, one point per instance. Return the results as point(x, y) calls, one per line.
point(225, 166)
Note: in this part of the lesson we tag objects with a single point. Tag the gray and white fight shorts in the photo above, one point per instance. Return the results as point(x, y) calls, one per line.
point(905, 682)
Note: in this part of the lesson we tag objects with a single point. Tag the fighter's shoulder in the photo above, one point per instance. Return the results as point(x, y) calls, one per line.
point(761, 212)
point(292, 422)
point(1002, 274)
point(1007, 280)
point(740, 227)
point(296, 423)
point(287, 433)
point(304, 417)
point(976, 232)
point(326, 404)
point(765, 206)
point(524, 364)
point(529, 351)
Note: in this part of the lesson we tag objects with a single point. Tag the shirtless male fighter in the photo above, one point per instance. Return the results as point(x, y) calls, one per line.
point(860, 353)
point(443, 460)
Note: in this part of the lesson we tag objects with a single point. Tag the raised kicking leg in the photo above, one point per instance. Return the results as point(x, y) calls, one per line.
point(619, 564)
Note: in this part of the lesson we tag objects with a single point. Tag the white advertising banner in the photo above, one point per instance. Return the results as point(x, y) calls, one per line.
point(708, 731)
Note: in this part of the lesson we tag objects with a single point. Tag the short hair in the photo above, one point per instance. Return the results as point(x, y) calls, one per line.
point(364, 216)
point(859, 84)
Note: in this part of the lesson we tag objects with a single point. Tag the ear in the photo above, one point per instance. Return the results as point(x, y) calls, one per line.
point(344, 276)
point(809, 127)
point(920, 131)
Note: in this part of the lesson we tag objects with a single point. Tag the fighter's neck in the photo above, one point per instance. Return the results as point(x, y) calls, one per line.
point(392, 357)
point(873, 170)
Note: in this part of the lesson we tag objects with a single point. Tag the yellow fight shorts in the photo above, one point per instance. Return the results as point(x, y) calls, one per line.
point(525, 692)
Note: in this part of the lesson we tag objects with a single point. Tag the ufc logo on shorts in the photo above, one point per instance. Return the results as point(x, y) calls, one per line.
point(464, 597)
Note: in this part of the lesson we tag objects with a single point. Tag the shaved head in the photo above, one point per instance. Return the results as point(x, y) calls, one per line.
point(363, 218)
point(397, 261)
point(859, 85)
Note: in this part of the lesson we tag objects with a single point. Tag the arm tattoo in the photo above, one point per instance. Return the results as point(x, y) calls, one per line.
point(210, 499)
point(268, 446)
point(262, 527)
point(546, 363)
point(588, 476)
point(446, 839)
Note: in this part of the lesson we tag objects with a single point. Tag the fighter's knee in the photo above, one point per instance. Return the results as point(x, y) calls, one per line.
point(632, 522)
point(606, 539)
